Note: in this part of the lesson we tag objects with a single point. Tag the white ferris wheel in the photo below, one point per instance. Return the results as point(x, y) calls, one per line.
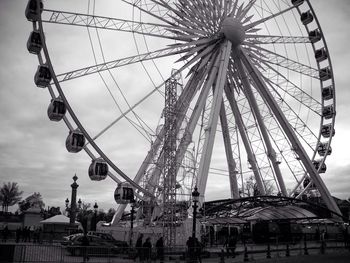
point(255, 94)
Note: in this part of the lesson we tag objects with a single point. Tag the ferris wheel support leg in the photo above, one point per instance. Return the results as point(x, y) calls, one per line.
point(200, 104)
point(297, 146)
point(251, 158)
point(231, 163)
point(213, 119)
point(254, 105)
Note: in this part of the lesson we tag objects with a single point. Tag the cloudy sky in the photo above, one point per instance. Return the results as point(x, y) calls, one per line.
point(32, 151)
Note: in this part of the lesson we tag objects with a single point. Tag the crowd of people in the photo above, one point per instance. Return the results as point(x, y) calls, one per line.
point(144, 250)
point(23, 234)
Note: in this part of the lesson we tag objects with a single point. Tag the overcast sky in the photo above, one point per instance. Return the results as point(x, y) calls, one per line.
point(32, 151)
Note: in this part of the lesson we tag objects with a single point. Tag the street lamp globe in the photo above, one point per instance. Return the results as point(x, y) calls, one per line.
point(95, 207)
point(195, 195)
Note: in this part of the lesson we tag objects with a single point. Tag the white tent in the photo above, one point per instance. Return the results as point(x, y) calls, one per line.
point(57, 220)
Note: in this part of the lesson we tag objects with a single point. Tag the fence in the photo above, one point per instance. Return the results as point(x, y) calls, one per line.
point(56, 253)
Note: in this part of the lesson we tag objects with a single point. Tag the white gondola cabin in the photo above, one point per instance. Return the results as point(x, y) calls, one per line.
point(307, 17)
point(307, 182)
point(328, 93)
point(98, 170)
point(327, 130)
point(317, 165)
point(56, 110)
point(75, 141)
point(124, 193)
point(321, 54)
point(33, 11)
point(325, 74)
point(42, 76)
point(297, 2)
point(322, 149)
point(315, 36)
point(328, 112)
point(34, 44)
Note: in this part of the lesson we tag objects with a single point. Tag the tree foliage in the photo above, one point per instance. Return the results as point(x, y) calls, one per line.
point(251, 188)
point(9, 195)
point(34, 200)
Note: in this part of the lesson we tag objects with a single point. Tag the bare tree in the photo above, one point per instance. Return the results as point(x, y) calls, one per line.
point(251, 188)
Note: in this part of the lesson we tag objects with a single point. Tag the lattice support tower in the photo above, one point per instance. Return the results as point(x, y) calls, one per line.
point(169, 211)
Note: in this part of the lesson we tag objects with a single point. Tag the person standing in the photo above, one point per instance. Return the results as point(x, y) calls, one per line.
point(190, 249)
point(18, 234)
point(147, 250)
point(138, 247)
point(160, 249)
point(85, 243)
point(197, 250)
point(5, 234)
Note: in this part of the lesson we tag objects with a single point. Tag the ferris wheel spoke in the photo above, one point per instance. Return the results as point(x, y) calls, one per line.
point(300, 127)
point(244, 136)
point(214, 116)
point(267, 39)
point(231, 163)
point(265, 19)
point(240, 15)
point(108, 23)
point(295, 92)
point(297, 146)
point(284, 62)
point(123, 62)
point(254, 106)
point(151, 8)
point(211, 72)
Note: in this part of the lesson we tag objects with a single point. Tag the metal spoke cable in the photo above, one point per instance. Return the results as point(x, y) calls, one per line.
point(121, 92)
point(106, 85)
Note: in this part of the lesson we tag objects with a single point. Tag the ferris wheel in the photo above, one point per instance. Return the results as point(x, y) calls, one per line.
point(257, 98)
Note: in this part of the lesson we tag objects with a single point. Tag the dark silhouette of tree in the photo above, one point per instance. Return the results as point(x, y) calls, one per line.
point(84, 215)
point(9, 195)
point(34, 200)
point(251, 188)
point(110, 214)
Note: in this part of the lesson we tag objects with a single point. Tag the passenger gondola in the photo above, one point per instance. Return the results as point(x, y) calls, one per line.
point(34, 44)
point(75, 141)
point(322, 149)
point(328, 112)
point(56, 110)
point(33, 11)
point(98, 170)
point(307, 17)
point(124, 193)
point(317, 165)
point(42, 76)
point(327, 130)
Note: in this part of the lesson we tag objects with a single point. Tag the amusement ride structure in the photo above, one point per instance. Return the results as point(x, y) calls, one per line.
point(252, 98)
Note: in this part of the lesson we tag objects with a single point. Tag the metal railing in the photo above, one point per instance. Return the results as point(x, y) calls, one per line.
point(56, 253)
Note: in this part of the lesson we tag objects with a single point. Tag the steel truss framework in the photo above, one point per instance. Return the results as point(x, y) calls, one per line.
point(244, 66)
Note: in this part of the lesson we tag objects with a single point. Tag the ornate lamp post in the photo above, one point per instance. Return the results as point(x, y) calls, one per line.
point(95, 216)
point(72, 208)
point(195, 199)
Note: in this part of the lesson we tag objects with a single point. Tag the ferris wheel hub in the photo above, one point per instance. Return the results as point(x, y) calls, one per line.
point(233, 30)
